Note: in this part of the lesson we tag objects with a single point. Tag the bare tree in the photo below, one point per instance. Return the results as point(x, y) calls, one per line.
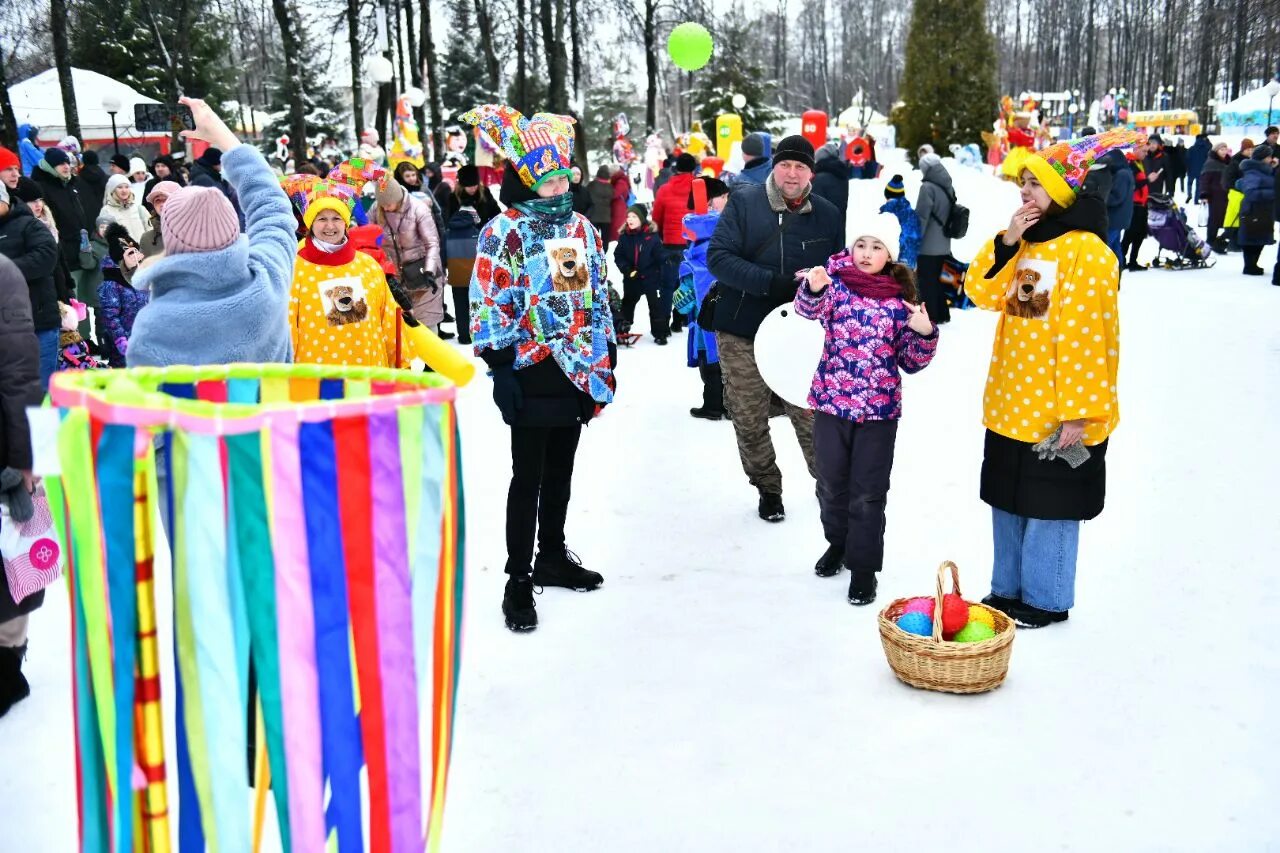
point(292, 79)
point(353, 42)
point(433, 79)
point(61, 56)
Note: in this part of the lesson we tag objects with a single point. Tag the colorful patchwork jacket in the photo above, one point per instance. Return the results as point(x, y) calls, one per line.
point(541, 288)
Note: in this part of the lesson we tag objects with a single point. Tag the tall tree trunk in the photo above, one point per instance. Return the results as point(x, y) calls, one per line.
point(430, 66)
point(399, 42)
point(651, 65)
point(522, 82)
point(415, 64)
point(484, 23)
point(292, 80)
point(1091, 38)
point(575, 35)
point(8, 121)
point(1237, 53)
point(353, 43)
point(62, 57)
point(553, 44)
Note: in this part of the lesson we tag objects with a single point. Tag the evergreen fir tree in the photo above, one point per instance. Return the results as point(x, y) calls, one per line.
point(949, 82)
point(115, 38)
point(616, 94)
point(461, 69)
point(731, 73)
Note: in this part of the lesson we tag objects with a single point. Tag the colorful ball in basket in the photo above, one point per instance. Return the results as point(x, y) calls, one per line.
point(690, 46)
point(923, 604)
point(916, 623)
point(955, 613)
point(978, 613)
point(974, 632)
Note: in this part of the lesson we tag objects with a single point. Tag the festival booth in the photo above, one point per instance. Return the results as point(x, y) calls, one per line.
point(1167, 122)
point(1248, 115)
point(38, 100)
point(860, 118)
point(313, 542)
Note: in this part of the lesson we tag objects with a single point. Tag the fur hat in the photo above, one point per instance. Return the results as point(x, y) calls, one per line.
point(795, 148)
point(895, 188)
point(198, 219)
point(538, 147)
point(56, 157)
point(8, 159)
point(686, 162)
point(757, 144)
point(118, 239)
point(1262, 152)
point(881, 226)
point(1061, 168)
point(468, 176)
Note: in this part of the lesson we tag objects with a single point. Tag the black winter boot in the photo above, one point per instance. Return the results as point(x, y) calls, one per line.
point(830, 563)
point(862, 588)
point(999, 602)
point(13, 684)
point(1026, 616)
point(771, 508)
point(565, 570)
point(517, 605)
point(706, 414)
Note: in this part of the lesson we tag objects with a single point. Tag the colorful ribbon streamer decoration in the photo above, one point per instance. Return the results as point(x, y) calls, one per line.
point(314, 523)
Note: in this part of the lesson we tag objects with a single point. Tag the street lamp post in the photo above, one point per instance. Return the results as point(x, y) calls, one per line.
point(1272, 89)
point(112, 105)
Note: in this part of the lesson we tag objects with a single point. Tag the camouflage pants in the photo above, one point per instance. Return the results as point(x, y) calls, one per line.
point(747, 397)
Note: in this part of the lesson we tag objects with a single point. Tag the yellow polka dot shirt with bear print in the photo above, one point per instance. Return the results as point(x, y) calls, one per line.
point(320, 335)
point(1056, 353)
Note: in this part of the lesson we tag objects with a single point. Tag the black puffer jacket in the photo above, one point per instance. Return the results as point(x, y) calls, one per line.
point(758, 246)
point(63, 198)
point(27, 242)
point(831, 179)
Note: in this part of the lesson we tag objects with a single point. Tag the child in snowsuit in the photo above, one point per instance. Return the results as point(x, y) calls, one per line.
point(896, 203)
point(638, 255)
point(118, 301)
point(710, 195)
point(874, 331)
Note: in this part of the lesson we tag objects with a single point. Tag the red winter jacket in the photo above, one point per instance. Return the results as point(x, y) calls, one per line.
point(669, 207)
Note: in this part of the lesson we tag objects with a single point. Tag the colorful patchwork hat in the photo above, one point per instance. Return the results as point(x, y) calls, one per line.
point(296, 188)
point(1061, 168)
point(538, 148)
point(329, 195)
point(356, 172)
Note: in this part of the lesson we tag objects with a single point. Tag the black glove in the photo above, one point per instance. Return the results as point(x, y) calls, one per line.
point(782, 289)
point(506, 393)
point(402, 299)
point(430, 278)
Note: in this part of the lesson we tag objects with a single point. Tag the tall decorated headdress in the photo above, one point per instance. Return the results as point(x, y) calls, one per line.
point(328, 195)
point(1061, 168)
point(356, 172)
point(538, 148)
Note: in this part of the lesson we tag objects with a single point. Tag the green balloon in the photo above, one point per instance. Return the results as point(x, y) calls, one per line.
point(690, 46)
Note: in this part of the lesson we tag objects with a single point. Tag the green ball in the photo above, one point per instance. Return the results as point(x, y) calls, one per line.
point(974, 632)
point(690, 46)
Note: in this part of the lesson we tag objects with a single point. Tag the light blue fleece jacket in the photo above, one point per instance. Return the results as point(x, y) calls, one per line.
point(230, 305)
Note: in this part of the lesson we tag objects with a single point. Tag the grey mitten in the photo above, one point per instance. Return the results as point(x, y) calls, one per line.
point(14, 494)
point(1048, 450)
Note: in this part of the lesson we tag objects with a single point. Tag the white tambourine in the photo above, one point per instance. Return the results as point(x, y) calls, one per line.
point(788, 350)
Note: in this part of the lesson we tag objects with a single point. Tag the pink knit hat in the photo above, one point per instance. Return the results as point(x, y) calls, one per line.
point(163, 188)
point(198, 219)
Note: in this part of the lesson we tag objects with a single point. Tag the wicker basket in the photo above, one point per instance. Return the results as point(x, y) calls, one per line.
point(933, 664)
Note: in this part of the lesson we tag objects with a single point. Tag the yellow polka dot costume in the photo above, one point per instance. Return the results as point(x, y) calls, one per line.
point(1056, 354)
point(340, 308)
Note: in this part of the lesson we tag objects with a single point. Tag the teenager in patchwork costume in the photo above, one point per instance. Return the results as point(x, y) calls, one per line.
point(340, 309)
point(540, 319)
point(1052, 380)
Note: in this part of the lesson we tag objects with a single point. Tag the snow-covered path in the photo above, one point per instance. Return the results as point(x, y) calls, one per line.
point(716, 696)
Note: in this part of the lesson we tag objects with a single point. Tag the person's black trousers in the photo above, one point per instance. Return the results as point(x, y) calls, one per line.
point(1135, 233)
point(538, 500)
point(670, 282)
point(631, 294)
point(854, 461)
point(929, 278)
point(712, 384)
point(1251, 255)
point(462, 313)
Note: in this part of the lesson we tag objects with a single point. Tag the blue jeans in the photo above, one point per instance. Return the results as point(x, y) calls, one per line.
point(48, 354)
point(1035, 560)
point(1113, 241)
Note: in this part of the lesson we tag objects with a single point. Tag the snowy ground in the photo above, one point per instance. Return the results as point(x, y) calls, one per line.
point(716, 696)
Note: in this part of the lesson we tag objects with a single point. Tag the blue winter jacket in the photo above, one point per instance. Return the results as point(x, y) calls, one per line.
point(756, 173)
point(698, 228)
point(27, 149)
point(1258, 183)
point(909, 241)
point(1197, 156)
point(1120, 197)
point(230, 305)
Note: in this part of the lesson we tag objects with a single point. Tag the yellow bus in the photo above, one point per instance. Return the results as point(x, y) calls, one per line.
point(1178, 122)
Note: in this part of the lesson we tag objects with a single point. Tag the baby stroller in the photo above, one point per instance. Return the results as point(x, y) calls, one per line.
point(1168, 224)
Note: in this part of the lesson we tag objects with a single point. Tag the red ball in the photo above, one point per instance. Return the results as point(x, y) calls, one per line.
point(955, 613)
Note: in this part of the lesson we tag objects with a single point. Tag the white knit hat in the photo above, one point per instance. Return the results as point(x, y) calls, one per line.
point(136, 165)
point(880, 226)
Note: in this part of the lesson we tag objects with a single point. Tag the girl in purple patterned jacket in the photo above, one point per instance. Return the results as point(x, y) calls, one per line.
point(866, 302)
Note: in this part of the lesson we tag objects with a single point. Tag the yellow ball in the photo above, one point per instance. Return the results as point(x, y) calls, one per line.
point(983, 615)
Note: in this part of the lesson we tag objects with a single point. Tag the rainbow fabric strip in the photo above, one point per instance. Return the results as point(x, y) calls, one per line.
point(314, 520)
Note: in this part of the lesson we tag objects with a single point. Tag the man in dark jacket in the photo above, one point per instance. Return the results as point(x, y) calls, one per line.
point(1197, 156)
point(831, 175)
point(1157, 167)
point(27, 242)
point(669, 208)
point(61, 190)
point(1119, 201)
point(765, 234)
point(757, 148)
point(19, 388)
point(207, 172)
point(93, 186)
